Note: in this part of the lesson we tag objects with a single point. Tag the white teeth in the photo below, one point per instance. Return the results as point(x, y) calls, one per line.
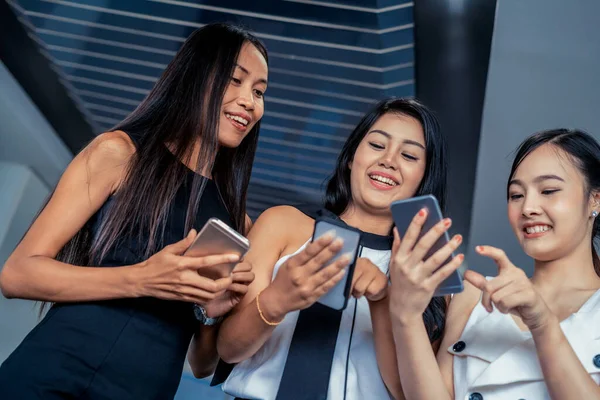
point(537, 229)
point(382, 179)
point(238, 119)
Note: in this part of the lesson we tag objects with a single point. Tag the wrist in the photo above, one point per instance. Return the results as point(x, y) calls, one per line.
point(403, 318)
point(133, 282)
point(548, 329)
point(203, 316)
point(272, 305)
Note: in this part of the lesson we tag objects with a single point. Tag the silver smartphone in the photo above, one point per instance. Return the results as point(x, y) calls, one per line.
point(337, 297)
point(216, 237)
point(403, 212)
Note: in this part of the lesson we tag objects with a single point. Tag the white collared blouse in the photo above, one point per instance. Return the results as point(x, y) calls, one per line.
point(496, 360)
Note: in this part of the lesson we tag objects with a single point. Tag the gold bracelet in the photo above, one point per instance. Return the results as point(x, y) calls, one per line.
point(266, 321)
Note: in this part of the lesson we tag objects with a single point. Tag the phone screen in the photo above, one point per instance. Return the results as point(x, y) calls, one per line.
point(403, 212)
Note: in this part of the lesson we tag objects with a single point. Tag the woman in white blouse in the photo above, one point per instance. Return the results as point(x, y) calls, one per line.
point(511, 337)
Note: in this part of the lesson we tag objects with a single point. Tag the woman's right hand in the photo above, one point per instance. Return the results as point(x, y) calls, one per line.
point(413, 278)
point(169, 275)
point(303, 279)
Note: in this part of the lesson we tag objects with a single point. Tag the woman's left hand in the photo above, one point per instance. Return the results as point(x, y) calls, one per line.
point(369, 281)
point(511, 291)
point(242, 276)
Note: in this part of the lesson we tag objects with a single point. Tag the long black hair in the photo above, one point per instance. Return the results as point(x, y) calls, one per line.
point(338, 194)
point(584, 152)
point(182, 109)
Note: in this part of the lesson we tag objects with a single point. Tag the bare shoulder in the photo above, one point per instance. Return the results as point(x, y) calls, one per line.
point(106, 158)
point(112, 147)
point(286, 225)
point(285, 215)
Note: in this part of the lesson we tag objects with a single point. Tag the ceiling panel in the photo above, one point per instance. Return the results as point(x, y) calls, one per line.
point(329, 61)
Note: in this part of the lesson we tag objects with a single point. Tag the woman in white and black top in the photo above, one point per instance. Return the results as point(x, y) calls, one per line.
point(395, 152)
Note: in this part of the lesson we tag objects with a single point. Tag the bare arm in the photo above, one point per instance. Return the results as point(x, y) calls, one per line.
point(31, 272)
point(425, 375)
point(244, 332)
point(384, 346)
point(565, 376)
point(414, 281)
point(300, 281)
point(202, 355)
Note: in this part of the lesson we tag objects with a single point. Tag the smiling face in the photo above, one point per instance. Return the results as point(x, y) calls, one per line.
point(243, 103)
point(389, 163)
point(549, 205)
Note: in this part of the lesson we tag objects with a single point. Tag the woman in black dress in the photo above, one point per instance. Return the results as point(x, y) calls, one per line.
point(107, 249)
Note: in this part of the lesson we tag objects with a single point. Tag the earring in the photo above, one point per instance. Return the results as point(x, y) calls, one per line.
point(594, 214)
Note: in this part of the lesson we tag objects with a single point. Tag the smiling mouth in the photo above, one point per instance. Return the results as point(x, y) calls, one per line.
point(242, 122)
point(536, 230)
point(382, 179)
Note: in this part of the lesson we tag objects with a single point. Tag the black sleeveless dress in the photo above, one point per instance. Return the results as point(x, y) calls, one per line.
point(112, 350)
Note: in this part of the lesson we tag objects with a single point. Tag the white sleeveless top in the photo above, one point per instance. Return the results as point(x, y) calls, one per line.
point(259, 376)
point(496, 360)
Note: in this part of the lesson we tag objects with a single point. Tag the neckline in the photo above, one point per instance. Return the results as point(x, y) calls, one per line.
point(189, 170)
point(367, 239)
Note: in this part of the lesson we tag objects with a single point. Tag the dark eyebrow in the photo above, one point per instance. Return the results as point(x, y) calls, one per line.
point(538, 179)
point(406, 141)
point(244, 70)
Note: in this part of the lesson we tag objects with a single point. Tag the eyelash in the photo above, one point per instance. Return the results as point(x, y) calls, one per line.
point(377, 146)
point(547, 192)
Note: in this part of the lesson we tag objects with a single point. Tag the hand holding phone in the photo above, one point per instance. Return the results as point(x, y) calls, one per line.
point(216, 237)
point(337, 297)
point(306, 276)
point(429, 231)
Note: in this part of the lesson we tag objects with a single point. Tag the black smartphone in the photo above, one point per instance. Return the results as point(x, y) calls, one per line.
point(337, 297)
point(403, 212)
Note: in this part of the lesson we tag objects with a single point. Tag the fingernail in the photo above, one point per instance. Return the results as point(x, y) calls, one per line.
point(447, 222)
point(234, 257)
point(329, 234)
point(461, 257)
point(422, 212)
point(458, 239)
point(346, 257)
point(338, 242)
point(479, 248)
